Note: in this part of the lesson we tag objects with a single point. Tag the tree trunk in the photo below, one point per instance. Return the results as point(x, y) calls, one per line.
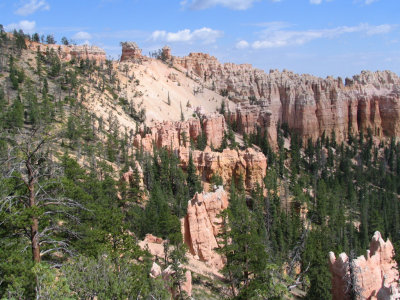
point(35, 222)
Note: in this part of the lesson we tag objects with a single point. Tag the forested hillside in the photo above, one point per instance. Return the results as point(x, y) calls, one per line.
point(70, 226)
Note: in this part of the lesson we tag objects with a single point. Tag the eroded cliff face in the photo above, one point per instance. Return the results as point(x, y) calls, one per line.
point(376, 274)
point(201, 226)
point(308, 104)
point(131, 52)
point(229, 164)
point(69, 52)
point(174, 135)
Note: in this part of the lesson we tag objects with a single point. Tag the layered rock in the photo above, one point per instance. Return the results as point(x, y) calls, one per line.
point(376, 274)
point(308, 104)
point(69, 52)
point(201, 226)
point(131, 52)
point(174, 135)
point(229, 164)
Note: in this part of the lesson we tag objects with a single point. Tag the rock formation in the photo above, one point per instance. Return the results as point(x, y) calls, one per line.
point(186, 285)
point(308, 104)
point(129, 177)
point(174, 135)
point(201, 226)
point(166, 53)
point(131, 52)
point(69, 52)
point(229, 164)
point(376, 274)
point(155, 246)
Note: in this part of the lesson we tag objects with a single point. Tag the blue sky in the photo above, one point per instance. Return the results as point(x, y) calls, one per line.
point(320, 37)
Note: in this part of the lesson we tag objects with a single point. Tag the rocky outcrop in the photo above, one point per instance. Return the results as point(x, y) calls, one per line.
point(131, 52)
point(229, 164)
point(166, 53)
point(376, 274)
point(186, 286)
point(155, 246)
point(69, 52)
point(201, 226)
point(134, 178)
point(174, 135)
point(309, 105)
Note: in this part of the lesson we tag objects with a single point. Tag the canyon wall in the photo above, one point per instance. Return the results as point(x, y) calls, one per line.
point(310, 105)
point(376, 274)
point(228, 164)
point(174, 135)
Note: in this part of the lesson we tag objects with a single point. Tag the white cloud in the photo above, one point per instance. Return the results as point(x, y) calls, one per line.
point(82, 35)
point(206, 35)
point(320, 1)
point(242, 44)
point(232, 4)
point(368, 2)
point(31, 7)
point(272, 38)
point(25, 25)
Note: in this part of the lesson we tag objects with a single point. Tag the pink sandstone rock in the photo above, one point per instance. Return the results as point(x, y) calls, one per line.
point(128, 176)
point(186, 285)
point(228, 164)
point(155, 246)
point(69, 52)
point(155, 270)
point(166, 53)
point(201, 226)
point(308, 104)
point(376, 273)
point(174, 135)
point(131, 52)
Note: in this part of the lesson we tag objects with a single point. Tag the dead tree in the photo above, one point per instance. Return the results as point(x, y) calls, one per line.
point(30, 181)
point(353, 286)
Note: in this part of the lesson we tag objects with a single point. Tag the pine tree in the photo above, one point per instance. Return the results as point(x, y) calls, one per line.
point(193, 181)
point(248, 271)
point(15, 114)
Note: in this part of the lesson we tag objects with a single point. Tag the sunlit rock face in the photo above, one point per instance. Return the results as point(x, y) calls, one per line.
point(202, 224)
point(309, 105)
point(376, 274)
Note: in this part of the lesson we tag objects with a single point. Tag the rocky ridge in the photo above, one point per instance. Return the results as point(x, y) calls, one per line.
point(69, 52)
point(308, 104)
point(376, 274)
point(228, 164)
